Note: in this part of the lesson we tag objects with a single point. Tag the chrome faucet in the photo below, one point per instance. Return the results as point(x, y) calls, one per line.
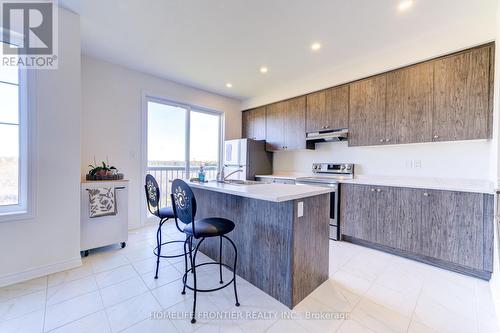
point(222, 177)
point(232, 173)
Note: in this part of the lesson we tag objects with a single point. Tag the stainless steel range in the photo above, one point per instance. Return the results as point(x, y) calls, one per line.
point(328, 175)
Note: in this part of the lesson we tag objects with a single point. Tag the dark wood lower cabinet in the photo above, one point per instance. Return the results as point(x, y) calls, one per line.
point(454, 225)
point(364, 212)
point(453, 230)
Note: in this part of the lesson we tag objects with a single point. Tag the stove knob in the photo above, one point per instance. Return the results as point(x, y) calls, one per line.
point(348, 167)
point(342, 167)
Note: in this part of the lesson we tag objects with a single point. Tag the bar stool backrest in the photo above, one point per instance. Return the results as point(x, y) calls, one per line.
point(152, 194)
point(183, 202)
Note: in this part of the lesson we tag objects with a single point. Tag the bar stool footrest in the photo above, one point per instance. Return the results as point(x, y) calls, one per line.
point(155, 250)
point(184, 278)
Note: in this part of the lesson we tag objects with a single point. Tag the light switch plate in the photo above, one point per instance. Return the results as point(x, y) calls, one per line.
point(300, 208)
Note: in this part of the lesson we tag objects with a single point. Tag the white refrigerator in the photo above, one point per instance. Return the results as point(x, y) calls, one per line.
point(247, 155)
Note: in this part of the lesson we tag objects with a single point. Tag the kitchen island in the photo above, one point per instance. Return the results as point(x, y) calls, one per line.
point(281, 234)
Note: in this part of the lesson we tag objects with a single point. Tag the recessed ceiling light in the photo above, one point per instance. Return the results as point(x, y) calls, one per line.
point(263, 69)
point(315, 46)
point(405, 5)
point(229, 85)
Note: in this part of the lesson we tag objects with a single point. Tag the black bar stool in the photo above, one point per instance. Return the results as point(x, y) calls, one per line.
point(165, 213)
point(184, 204)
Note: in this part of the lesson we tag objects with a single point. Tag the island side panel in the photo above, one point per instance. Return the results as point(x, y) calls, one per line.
point(311, 246)
point(263, 236)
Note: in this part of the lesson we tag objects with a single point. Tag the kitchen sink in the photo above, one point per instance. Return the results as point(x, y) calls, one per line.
point(242, 182)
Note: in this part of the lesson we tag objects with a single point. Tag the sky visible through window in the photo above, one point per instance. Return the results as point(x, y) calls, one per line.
point(167, 136)
point(9, 136)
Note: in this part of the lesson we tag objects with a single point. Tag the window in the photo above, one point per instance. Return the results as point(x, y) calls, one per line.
point(14, 182)
point(180, 139)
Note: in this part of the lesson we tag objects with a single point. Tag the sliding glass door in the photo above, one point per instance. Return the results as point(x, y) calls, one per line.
point(180, 139)
point(205, 143)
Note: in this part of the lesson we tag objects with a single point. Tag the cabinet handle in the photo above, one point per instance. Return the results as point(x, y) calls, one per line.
point(436, 136)
point(382, 140)
point(387, 140)
point(426, 194)
point(373, 190)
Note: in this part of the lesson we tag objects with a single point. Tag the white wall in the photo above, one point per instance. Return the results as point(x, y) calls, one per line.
point(446, 159)
point(495, 153)
point(50, 242)
point(111, 122)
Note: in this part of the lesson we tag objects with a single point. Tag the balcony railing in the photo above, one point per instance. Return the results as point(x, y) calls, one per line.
point(166, 174)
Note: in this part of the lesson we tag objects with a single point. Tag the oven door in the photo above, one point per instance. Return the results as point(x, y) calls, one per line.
point(334, 204)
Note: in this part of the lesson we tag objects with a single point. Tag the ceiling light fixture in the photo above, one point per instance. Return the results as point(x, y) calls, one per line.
point(405, 5)
point(263, 69)
point(229, 85)
point(315, 46)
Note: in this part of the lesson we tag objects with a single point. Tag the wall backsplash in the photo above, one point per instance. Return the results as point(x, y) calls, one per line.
point(459, 159)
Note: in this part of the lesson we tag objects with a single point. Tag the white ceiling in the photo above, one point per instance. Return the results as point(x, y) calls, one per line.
point(206, 43)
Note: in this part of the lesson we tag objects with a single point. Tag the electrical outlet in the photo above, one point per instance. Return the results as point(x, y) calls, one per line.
point(413, 164)
point(300, 209)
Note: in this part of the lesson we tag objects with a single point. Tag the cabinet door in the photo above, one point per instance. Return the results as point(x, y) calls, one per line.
point(246, 124)
point(275, 126)
point(409, 104)
point(254, 124)
point(367, 100)
point(452, 227)
point(295, 123)
point(259, 123)
point(461, 96)
point(316, 109)
point(358, 211)
point(399, 218)
point(337, 107)
point(328, 109)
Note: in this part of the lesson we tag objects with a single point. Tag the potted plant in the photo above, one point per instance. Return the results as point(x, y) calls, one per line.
point(103, 172)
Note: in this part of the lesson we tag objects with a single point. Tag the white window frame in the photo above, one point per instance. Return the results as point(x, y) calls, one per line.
point(25, 209)
point(149, 97)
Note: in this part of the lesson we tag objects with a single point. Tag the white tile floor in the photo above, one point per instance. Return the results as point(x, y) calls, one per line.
point(368, 291)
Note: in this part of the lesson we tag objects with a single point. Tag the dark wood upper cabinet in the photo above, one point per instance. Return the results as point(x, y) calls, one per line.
point(246, 124)
point(327, 109)
point(285, 125)
point(444, 99)
point(254, 123)
point(275, 127)
point(462, 103)
point(409, 104)
point(367, 99)
point(295, 123)
point(259, 120)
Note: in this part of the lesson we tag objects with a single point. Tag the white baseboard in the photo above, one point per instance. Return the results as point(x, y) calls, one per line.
point(134, 226)
point(39, 271)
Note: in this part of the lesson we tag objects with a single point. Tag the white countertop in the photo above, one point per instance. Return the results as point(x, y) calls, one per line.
point(267, 192)
point(448, 184)
point(287, 175)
